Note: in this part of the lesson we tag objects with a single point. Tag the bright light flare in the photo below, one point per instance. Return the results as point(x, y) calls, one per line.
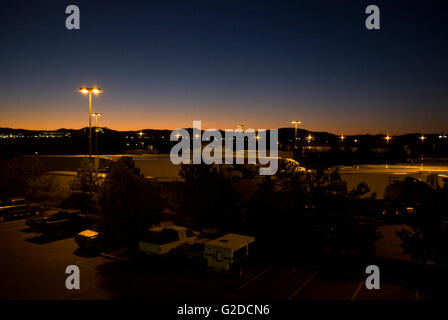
point(90, 90)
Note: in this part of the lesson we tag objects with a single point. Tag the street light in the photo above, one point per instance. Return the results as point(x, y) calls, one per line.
point(295, 123)
point(89, 91)
point(96, 115)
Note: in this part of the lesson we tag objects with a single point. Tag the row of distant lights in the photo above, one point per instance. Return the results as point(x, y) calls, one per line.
point(422, 137)
point(342, 137)
point(221, 139)
point(309, 138)
point(21, 136)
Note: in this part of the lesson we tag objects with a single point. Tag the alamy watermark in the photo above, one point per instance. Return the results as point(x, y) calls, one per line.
point(189, 150)
point(73, 280)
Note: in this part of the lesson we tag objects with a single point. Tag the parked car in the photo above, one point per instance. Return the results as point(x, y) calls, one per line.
point(13, 208)
point(41, 215)
point(60, 222)
point(162, 240)
point(89, 239)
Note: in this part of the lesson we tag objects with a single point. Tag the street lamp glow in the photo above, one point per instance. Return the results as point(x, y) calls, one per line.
point(342, 137)
point(422, 138)
point(89, 91)
point(387, 138)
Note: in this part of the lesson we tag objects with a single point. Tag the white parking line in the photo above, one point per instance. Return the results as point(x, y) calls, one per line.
point(302, 286)
point(357, 290)
point(254, 278)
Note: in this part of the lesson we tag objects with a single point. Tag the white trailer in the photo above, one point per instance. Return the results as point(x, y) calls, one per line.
point(224, 253)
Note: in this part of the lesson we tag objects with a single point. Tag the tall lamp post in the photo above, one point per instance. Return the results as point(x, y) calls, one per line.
point(89, 91)
point(96, 115)
point(295, 123)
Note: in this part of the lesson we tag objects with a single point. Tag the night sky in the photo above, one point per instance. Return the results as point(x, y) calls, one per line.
point(163, 64)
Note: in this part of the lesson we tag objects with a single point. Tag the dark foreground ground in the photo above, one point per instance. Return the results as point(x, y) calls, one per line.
point(34, 268)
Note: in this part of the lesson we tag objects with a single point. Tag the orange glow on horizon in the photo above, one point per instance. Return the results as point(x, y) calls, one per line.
point(51, 117)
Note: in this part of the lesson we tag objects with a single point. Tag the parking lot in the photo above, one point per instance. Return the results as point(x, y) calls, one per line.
point(34, 268)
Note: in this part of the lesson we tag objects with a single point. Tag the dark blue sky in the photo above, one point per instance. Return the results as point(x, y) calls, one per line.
point(163, 64)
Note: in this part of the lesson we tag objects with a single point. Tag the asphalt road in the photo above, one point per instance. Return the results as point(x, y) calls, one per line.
point(34, 268)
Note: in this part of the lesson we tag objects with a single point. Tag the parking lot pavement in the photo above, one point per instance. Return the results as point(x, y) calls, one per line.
point(278, 283)
point(34, 268)
point(327, 286)
point(387, 292)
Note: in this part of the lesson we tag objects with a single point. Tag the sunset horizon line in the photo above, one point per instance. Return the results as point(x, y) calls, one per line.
point(279, 128)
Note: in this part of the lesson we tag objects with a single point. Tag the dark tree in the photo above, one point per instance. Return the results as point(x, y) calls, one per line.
point(128, 204)
point(207, 197)
point(306, 211)
point(427, 240)
point(84, 186)
point(16, 174)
